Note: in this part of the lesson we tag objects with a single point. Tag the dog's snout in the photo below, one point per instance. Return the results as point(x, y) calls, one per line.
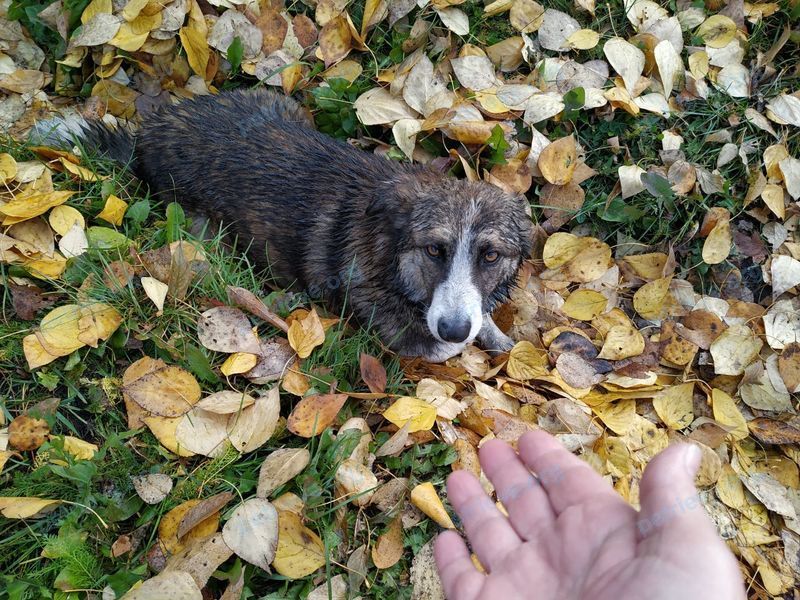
point(454, 329)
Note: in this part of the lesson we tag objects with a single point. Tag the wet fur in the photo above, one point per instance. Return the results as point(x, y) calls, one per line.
point(348, 226)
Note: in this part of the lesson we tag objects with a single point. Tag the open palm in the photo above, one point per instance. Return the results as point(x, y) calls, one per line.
point(569, 535)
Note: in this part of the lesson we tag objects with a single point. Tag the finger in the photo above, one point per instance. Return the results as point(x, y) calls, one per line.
point(489, 532)
point(668, 495)
point(567, 480)
point(521, 494)
point(460, 579)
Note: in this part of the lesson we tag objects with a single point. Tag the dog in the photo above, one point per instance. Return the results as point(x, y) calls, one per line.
point(420, 256)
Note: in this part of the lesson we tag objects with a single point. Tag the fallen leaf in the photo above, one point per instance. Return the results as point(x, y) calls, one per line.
point(27, 433)
point(425, 498)
point(153, 487)
point(306, 334)
point(300, 551)
point(558, 160)
point(674, 405)
point(280, 467)
point(227, 329)
point(420, 415)
point(16, 507)
point(727, 413)
point(388, 548)
point(175, 585)
point(313, 414)
point(373, 373)
point(163, 390)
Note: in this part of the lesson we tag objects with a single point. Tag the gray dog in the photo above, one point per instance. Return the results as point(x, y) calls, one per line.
point(420, 256)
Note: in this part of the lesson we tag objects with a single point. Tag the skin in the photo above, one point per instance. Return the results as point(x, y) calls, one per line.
point(569, 535)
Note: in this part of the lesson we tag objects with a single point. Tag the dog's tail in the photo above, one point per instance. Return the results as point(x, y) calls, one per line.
point(96, 137)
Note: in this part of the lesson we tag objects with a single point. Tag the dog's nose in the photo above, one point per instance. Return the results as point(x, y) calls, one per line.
point(454, 330)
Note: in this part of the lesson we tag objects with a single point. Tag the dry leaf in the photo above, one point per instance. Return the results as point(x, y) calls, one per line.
point(280, 467)
point(252, 532)
point(300, 551)
point(306, 334)
point(312, 415)
point(419, 415)
point(152, 488)
point(388, 548)
point(227, 329)
point(425, 498)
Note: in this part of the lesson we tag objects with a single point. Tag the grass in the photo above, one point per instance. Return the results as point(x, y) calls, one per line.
point(69, 549)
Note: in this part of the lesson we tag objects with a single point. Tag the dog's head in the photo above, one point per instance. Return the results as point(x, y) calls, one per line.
point(459, 247)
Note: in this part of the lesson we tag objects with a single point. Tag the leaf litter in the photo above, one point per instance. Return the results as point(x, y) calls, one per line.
point(616, 353)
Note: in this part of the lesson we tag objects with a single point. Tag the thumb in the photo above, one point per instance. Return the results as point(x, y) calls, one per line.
point(668, 495)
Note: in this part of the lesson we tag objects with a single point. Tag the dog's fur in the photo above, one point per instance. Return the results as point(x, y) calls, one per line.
point(348, 226)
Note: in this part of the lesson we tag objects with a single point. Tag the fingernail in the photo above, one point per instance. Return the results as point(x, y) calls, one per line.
point(691, 458)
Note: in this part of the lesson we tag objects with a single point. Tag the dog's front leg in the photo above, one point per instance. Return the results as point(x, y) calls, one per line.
point(491, 338)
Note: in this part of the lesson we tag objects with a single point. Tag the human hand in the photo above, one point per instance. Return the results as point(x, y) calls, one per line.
point(569, 535)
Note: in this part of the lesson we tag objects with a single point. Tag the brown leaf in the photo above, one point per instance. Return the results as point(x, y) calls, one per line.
point(27, 433)
point(28, 299)
point(389, 547)
point(201, 511)
point(313, 414)
point(772, 431)
point(249, 301)
point(201, 559)
point(373, 373)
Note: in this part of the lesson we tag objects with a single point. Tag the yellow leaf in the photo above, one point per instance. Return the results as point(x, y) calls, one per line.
point(128, 39)
point(24, 207)
point(717, 31)
point(133, 8)
point(161, 389)
point(314, 413)
point(583, 39)
point(4, 456)
point(306, 334)
point(96, 7)
point(82, 172)
point(45, 267)
point(653, 299)
point(648, 266)
point(560, 248)
point(63, 217)
point(163, 428)
point(526, 361)
point(773, 198)
point(335, 40)
point(17, 507)
point(60, 330)
point(419, 414)
point(238, 362)
point(35, 353)
point(114, 210)
point(8, 168)
point(300, 551)
point(622, 341)
point(98, 322)
point(558, 160)
point(79, 448)
point(197, 52)
point(171, 522)
point(618, 416)
point(425, 498)
point(717, 246)
point(674, 405)
point(584, 305)
point(727, 413)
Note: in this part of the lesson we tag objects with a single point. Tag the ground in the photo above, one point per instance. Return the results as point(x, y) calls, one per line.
point(169, 418)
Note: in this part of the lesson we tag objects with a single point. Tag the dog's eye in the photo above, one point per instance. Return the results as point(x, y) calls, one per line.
point(491, 256)
point(433, 250)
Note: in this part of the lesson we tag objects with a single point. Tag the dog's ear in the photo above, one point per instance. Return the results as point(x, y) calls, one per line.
point(395, 198)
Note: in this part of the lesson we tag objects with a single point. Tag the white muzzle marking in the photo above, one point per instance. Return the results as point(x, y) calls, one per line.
point(457, 297)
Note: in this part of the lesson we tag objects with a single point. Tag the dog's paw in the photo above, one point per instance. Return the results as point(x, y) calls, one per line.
point(496, 343)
